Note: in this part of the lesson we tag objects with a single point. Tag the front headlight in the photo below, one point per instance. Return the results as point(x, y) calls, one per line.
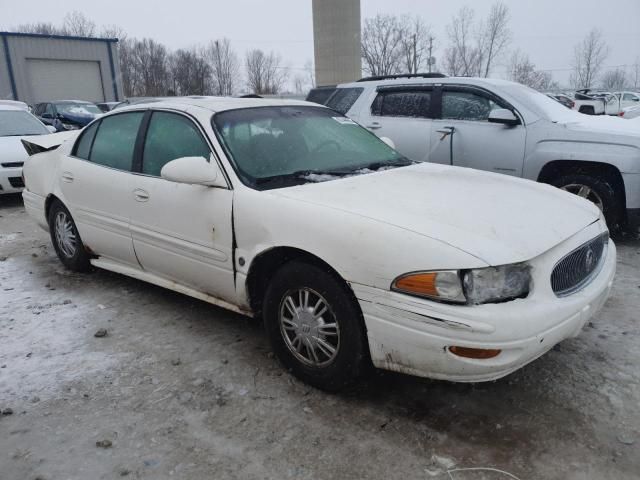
point(70, 126)
point(478, 286)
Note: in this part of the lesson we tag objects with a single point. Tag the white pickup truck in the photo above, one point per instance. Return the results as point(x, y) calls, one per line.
point(604, 103)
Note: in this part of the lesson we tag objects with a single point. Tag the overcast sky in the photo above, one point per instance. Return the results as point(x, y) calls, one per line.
point(545, 29)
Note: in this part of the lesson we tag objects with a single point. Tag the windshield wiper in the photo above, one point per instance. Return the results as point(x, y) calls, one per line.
point(401, 162)
point(301, 175)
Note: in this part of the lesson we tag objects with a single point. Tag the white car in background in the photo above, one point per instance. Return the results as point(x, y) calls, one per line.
point(15, 123)
point(631, 112)
point(350, 252)
point(503, 127)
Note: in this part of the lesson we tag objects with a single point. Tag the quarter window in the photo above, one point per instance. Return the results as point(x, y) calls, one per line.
point(416, 104)
point(464, 105)
point(83, 147)
point(169, 137)
point(115, 140)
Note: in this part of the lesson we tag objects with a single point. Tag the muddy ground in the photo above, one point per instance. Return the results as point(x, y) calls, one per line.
point(181, 389)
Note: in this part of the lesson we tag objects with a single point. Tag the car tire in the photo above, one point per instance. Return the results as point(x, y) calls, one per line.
point(66, 239)
point(330, 352)
point(600, 191)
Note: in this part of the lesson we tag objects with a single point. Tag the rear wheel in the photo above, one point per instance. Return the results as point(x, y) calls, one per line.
point(66, 239)
point(315, 326)
point(600, 191)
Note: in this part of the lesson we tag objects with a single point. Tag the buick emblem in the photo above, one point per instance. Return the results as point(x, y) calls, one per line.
point(589, 258)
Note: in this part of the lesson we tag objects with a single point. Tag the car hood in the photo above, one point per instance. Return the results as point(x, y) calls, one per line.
point(496, 218)
point(79, 118)
point(11, 150)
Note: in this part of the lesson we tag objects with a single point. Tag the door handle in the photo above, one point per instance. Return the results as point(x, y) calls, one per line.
point(446, 131)
point(67, 177)
point(141, 195)
point(374, 126)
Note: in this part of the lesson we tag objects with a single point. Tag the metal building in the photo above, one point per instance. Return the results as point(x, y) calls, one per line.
point(336, 34)
point(38, 68)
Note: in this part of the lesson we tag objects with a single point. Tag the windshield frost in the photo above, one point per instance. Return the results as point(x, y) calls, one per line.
point(14, 123)
point(268, 144)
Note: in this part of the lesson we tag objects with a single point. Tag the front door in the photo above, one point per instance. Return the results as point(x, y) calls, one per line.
point(96, 180)
point(463, 135)
point(181, 232)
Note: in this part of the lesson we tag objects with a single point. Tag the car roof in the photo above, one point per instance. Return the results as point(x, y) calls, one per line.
point(11, 108)
point(431, 81)
point(218, 104)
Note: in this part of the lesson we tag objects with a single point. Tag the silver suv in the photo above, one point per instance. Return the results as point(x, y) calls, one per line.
point(503, 127)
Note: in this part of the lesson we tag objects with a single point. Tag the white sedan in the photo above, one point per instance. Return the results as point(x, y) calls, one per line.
point(15, 123)
point(349, 252)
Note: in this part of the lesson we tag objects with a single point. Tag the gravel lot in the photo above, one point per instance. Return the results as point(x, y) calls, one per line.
point(180, 389)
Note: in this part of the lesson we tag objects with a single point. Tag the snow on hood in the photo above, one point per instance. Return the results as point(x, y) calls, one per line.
point(600, 123)
point(496, 218)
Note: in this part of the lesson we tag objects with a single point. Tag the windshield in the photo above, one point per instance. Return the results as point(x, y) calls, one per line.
point(19, 123)
point(282, 146)
point(540, 103)
point(77, 109)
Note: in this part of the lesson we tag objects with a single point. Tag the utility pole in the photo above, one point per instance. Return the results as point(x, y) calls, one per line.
point(415, 54)
point(430, 61)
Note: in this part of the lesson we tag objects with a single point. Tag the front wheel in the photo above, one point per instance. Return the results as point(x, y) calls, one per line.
point(599, 191)
point(315, 326)
point(66, 239)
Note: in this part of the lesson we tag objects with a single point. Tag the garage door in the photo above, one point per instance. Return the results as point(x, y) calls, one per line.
point(65, 80)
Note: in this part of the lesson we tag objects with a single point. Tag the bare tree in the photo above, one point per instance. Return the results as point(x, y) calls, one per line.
point(381, 45)
point(521, 70)
point(265, 74)
point(77, 24)
point(589, 56)
point(225, 68)
point(150, 60)
point(474, 48)
point(494, 36)
point(462, 56)
point(416, 41)
point(190, 73)
point(310, 73)
point(112, 31)
point(636, 74)
point(42, 28)
point(614, 79)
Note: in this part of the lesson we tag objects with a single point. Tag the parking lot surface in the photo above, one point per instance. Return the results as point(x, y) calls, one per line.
point(178, 388)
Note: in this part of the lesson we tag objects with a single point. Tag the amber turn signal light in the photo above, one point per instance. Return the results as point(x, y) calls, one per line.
point(420, 283)
point(477, 353)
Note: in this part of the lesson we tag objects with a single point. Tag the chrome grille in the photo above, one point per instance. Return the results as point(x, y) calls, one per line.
point(577, 268)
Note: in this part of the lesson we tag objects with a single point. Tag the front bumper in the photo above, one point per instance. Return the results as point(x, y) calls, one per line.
point(412, 335)
point(11, 180)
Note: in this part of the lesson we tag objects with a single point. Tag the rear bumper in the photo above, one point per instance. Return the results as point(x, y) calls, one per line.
point(413, 336)
point(11, 180)
point(35, 207)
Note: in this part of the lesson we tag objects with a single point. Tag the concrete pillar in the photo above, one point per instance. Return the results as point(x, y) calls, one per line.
point(336, 34)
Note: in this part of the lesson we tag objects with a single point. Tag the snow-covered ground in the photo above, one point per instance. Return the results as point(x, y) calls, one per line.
point(180, 389)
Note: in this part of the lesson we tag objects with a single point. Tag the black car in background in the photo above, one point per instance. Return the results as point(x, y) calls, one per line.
point(66, 114)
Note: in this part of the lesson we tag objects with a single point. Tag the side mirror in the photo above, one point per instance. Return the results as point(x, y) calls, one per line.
point(194, 171)
point(389, 142)
point(503, 116)
point(51, 128)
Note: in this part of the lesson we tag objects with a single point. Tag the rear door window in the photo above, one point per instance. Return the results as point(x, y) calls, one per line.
point(413, 103)
point(171, 136)
point(344, 98)
point(115, 141)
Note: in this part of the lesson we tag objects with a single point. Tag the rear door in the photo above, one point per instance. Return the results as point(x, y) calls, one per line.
point(403, 114)
point(96, 183)
point(181, 232)
point(463, 135)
